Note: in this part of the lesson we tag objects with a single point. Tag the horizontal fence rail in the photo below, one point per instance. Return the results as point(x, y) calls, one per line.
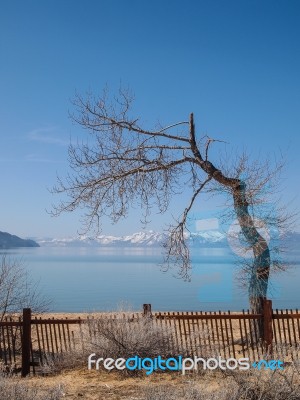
point(28, 342)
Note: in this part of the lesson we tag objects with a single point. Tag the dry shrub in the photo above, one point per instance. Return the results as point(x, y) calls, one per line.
point(13, 388)
point(5, 369)
point(236, 385)
point(268, 385)
point(286, 352)
point(190, 392)
point(121, 336)
point(126, 336)
point(56, 363)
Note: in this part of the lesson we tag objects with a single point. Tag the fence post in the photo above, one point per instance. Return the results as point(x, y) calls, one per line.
point(147, 310)
point(267, 321)
point(26, 341)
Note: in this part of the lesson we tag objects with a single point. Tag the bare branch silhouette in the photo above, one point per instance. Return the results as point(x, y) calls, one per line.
point(124, 164)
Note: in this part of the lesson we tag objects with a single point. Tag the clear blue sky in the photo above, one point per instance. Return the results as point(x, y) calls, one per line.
point(235, 64)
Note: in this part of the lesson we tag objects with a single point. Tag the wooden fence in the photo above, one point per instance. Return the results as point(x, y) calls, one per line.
point(26, 341)
point(234, 334)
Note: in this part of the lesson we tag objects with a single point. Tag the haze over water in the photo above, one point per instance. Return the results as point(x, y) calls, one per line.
point(105, 278)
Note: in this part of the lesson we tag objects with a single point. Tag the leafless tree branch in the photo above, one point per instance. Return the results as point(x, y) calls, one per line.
point(17, 291)
point(123, 164)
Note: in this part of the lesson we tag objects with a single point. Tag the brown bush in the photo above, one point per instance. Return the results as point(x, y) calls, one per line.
point(13, 388)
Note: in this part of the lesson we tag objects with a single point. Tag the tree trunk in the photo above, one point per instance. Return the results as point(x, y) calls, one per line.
point(259, 277)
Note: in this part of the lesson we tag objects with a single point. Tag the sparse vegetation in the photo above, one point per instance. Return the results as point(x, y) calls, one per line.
point(250, 385)
point(56, 363)
point(13, 388)
point(17, 290)
point(213, 385)
point(121, 337)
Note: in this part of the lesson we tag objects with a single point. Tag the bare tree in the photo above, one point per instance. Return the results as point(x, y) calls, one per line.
point(123, 163)
point(17, 291)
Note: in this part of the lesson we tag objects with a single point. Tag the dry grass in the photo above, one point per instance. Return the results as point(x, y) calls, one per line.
point(122, 338)
point(15, 388)
point(118, 338)
point(249, 385)
point(94, 385)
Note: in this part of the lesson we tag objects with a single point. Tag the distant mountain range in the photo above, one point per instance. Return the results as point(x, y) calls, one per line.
point(149, 238)
point(8, 241)
point(211, 238)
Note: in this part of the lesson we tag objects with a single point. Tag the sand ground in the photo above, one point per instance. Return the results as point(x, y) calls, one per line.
point(96, 385)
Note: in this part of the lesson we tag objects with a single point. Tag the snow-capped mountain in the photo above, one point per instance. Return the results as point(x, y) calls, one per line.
point(209, 238)
point(147, 238)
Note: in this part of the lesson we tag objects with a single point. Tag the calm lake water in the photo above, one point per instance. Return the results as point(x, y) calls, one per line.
point(93, 279)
